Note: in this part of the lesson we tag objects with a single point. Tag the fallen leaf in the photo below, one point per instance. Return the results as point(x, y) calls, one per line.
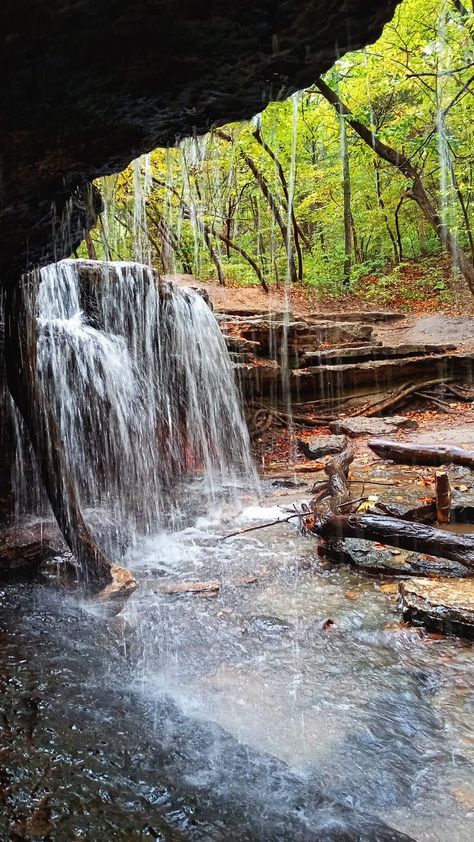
point(352, 595)
point(245, 580)
point(389, 587)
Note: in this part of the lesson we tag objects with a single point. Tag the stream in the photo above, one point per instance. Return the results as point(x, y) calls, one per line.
point(241, 716)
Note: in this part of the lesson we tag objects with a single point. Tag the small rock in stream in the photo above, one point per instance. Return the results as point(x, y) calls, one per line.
point(268, 625)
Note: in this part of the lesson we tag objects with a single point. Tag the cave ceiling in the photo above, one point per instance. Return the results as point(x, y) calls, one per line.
point(88, 85)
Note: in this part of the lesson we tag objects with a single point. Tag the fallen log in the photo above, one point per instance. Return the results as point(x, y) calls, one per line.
point(399, 533)
point(210, 586)
point(415, 454)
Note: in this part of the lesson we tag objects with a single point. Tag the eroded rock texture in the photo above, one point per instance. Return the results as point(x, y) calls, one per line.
point(87, 85)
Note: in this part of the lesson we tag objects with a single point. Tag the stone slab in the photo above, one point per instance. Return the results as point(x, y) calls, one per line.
point(361, 425)
point(443, 605)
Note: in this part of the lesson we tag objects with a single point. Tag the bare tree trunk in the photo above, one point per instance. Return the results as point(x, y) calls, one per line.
point(43, 431)
point(346, 187)
point(358, 254)
point(247, 257)
point(207, 229)
point(381, 205)
point(297, 232)
point(272, 203)
point(214, 258)
point(91, 252)
point(398, 229)
point(417, 191)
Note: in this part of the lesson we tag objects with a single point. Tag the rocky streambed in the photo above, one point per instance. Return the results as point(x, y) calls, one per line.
point(287, 701)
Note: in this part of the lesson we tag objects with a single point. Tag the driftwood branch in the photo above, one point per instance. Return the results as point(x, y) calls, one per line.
point(396, 396)
point(337, 469)
point(443, 497)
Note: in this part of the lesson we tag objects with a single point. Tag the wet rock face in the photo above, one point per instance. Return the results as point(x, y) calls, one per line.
point(442, 605)
point(88, 86)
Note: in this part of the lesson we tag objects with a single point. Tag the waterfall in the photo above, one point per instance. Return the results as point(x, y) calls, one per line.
point(142, 386)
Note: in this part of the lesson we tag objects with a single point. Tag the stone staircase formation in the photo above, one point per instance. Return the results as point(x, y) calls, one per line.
point(330, 357)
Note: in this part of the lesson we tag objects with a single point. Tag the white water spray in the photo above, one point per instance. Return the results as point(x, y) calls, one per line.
point(139, 378)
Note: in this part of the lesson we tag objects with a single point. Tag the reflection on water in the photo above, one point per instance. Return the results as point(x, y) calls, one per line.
point(244, 716)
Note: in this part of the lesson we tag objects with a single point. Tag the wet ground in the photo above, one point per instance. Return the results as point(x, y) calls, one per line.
point(294, 708)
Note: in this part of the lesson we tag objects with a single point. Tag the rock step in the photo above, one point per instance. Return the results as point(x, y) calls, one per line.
point(300, 337)
point(332, 379)
point(358, 316)
point(375, 377)
point(244, 315)
point(239, 344)
point(334, 316)
point(239, 357)
point(376, 351)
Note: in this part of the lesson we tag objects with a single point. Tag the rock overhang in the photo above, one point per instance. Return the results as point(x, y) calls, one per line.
point(87, 85)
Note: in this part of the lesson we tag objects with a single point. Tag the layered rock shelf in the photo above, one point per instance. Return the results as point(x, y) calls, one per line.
point(319, 359)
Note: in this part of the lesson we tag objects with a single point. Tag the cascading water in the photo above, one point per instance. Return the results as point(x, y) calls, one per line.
point(141, 384)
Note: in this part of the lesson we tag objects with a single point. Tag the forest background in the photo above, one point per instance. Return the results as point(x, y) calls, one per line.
point(361, 184)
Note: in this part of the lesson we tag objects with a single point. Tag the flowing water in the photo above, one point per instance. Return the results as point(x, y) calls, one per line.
point(291, 705)
point(244, 716)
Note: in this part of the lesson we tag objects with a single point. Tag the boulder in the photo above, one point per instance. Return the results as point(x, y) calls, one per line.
point(27, 547)
point(442, 605)
point(319, 446)
point(113, 597)
point(360, 425)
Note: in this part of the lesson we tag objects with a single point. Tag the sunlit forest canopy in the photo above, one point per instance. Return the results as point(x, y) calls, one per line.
point(343, 186)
